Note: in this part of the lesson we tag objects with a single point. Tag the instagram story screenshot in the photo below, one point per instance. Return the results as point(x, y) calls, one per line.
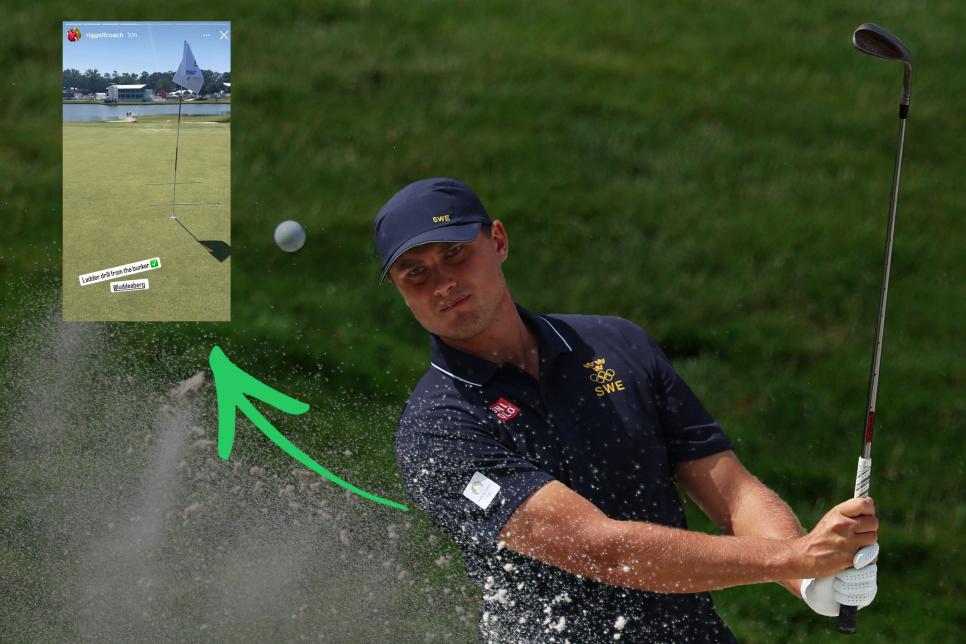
point(147, 171)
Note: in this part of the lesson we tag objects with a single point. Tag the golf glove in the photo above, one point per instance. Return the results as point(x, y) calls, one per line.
point(851, 587)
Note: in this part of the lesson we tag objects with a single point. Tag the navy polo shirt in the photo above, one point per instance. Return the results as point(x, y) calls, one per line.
point(609, 418)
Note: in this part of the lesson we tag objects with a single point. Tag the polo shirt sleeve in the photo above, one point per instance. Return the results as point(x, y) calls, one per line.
point(461, 475)
point(690, 432)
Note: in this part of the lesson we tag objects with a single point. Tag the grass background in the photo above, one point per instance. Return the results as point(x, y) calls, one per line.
point(113, 215)
point(719, 174)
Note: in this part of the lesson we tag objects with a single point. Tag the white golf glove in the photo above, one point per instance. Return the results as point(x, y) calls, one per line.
point(853, 587)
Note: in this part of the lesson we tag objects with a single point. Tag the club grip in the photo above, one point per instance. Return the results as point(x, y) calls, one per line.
point(847, 619)
point(848, 615)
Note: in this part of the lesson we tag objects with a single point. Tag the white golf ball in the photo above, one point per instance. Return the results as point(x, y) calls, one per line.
point(290, 236)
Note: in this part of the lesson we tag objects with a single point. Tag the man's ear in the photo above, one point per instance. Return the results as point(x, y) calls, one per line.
point(501, 242)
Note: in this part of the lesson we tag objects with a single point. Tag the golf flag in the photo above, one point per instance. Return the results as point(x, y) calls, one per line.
point(188, 74)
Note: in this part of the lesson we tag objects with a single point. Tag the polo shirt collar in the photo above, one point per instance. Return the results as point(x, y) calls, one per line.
point(476, 371)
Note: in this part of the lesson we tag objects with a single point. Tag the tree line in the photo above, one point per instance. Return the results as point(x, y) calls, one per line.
point(92, 80)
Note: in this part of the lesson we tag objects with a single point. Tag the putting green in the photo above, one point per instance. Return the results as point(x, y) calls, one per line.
point(117, 196)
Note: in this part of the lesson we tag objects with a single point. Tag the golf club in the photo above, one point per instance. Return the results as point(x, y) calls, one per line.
point(873, 40)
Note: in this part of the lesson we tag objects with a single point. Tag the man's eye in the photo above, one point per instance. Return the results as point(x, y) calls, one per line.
point(415, 272)
point(453, 251)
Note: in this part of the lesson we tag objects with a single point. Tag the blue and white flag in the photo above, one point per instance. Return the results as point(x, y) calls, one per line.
point(189, 75)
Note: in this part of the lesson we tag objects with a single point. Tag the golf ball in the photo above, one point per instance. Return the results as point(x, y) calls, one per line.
point(290, 236)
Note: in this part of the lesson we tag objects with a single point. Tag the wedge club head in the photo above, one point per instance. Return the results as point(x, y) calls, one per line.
point(872, 40)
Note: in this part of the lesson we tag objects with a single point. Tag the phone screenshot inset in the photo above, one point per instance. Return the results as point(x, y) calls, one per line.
point(147, 171)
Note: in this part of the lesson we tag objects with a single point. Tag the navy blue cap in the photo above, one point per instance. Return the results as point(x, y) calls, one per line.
point(427, 211)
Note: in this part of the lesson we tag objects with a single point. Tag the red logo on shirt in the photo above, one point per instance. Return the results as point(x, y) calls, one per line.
point(504, 409)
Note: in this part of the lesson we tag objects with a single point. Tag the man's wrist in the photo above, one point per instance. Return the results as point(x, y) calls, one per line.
point(790, 567)
point(794, 586)
point(789, 564)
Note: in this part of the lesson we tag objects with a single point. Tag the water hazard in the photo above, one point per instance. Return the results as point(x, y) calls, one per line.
point(100, 112)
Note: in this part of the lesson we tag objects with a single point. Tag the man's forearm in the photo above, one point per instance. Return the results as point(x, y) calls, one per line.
point(760, 512)
point(657, 558)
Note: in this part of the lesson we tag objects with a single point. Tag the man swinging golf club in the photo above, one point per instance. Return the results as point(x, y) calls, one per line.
point(548, 447)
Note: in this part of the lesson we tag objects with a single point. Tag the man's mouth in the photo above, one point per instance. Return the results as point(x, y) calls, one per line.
point(452, 304)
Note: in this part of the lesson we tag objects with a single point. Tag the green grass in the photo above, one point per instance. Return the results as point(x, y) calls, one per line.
point(719, 174)
point(114, 216)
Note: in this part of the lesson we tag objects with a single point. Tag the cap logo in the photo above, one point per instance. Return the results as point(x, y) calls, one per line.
point(440, 219)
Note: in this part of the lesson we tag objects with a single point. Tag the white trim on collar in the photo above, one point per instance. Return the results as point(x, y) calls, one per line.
point(567, 344)
point(453, 375)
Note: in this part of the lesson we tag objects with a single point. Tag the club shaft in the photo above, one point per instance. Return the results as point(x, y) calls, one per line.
point(883, 298)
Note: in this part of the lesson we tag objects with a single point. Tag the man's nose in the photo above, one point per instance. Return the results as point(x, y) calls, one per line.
point(444, 282)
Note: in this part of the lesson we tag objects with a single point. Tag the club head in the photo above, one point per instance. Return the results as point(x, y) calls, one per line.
point(872, 40)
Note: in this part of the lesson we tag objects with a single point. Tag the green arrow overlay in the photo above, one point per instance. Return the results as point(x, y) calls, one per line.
point(232, 386)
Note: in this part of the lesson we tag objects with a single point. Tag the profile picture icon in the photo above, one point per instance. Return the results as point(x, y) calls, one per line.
point(73, 34)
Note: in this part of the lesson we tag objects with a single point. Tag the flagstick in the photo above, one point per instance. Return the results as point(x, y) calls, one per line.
point(177, 139)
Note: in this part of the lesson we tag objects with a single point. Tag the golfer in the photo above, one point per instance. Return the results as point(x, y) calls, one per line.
point(548, 447)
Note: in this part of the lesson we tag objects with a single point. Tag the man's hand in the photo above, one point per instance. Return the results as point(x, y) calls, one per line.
point(852, 587)
point(830, 547)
